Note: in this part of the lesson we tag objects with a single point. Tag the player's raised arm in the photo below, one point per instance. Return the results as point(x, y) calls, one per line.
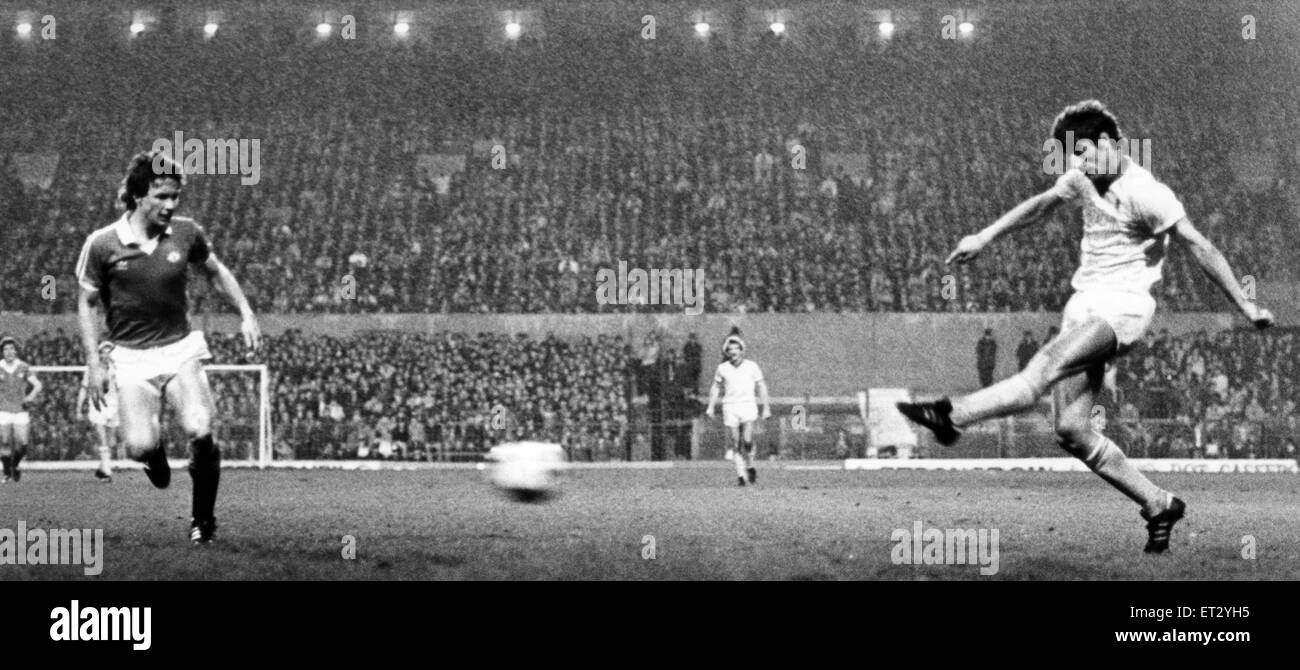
point(87, 317)
point(223, 280)
point(1216, 266)
point(1030, 211)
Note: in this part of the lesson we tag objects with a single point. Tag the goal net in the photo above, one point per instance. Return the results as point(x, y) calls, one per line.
point(62, 436)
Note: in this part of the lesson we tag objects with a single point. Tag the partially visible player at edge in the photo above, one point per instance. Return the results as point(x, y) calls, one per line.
point(105, 420)
point(739, 378)
point(15, 422)
point(137, 268)
point(1128, 218)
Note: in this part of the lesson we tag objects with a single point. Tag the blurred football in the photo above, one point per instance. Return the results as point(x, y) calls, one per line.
point(526, 471)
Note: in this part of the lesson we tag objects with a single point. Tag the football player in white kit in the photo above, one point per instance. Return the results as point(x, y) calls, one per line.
point(1128, 219)
point(104, 418)
point(739, 379)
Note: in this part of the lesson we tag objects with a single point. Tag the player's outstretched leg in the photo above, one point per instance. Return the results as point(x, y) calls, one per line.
point(936, 415)
point(1076, 349)
point(140, 405)
point(1075, 397)
point(1017, 393)
point(190, 394)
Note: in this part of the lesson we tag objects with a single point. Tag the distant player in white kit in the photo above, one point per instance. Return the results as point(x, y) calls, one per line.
point(1128, 219)
point(104, 418)
point(739, 378)
point(15, 422)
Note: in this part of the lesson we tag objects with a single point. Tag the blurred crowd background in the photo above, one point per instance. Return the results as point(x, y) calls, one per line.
point(725, 154)
point(1225, 394)
point(448, 396)
point(427, 397)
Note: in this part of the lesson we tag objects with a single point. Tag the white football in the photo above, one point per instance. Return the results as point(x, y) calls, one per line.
point(526, 471)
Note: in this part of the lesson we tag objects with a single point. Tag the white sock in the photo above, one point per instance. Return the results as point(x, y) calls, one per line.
point(1011, 395)
point(1108, 461)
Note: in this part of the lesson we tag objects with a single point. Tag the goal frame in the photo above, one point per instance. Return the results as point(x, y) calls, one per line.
point(264, 435)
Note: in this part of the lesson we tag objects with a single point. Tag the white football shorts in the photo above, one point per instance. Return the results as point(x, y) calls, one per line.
point(15, 419)
point(157, 365)
point(1128, 313)
point(736, 414)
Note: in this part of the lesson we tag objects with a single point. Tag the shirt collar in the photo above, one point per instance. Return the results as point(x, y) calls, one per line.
point(127, 235)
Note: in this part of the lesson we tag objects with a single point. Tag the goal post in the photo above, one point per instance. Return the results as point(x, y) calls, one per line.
point(62, 438)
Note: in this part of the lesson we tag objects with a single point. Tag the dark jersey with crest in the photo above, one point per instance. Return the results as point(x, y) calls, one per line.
point(142, 283)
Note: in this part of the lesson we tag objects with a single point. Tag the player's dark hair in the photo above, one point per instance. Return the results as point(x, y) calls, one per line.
point(733, 335)
point(6, 341)
point(1088, 120)
point(146, 168)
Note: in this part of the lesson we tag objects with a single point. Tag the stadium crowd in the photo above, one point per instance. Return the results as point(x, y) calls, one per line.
point(811, 173)
point(445, 396)
point(794, 186)
point(1227, 394)
point(387, 395)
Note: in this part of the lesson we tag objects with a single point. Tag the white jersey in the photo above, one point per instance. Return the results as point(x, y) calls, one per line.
point(1125, 232)
point(738, 382)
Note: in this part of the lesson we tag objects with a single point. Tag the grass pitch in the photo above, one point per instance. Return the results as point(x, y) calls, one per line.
point(685, 522)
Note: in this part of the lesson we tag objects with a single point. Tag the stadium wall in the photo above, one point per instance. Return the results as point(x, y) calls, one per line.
point(801, 354)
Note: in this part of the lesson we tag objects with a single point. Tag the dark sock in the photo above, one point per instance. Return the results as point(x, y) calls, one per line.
point(205, 472)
